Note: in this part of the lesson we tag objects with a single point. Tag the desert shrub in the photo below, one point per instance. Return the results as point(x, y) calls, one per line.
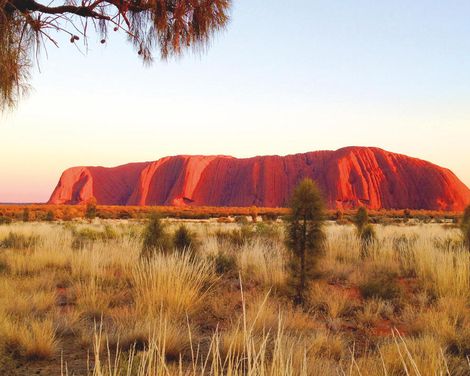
point(339, 215)
point(241, 219)
point(67, 215)
point(365, 231)
point(90, 211)
point(5, 220)
point(465, 227)
point(19, 241)
point(403, 243)
point(109, 233)
point(368, 234)
point(124, 214)
point(367, 237)
point(184, 239)
point(26, 215)
point(460, 344)
point(155, 237)
point(380, 286)
point(272, 217)
point(3, 266)
point(361, 219)
point(447, 243)
point(85, 237)
point(304, 236)
point(254, 214)
point(268, 232)
point(236, 237)
point(224, 263)
point(105, 214)
point(50, 216)
point(35, 340)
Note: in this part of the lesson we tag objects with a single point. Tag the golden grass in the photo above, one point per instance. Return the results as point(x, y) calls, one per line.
point(263, 263)
point(30, 338)
point(159, 316)
point(176, 283)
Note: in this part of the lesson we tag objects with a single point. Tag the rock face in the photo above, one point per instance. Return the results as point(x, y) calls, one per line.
point(348, 177)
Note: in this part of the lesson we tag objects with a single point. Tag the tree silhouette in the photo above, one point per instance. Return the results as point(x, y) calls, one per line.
point(169, 26)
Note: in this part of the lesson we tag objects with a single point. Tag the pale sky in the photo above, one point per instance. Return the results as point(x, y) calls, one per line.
point(285, 77)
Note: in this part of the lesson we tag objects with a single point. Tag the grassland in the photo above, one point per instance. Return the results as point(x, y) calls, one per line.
point(76, 298)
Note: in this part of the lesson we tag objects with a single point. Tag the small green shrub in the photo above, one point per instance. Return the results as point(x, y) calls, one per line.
point(50, 216)
point(224, 263)
point(236, 237)
point(272, 217)
point(404, 243)
point(5, 220)
point(85, 237)
point(183, 239)
point(155, 237)
point(19, 241)
point(339, 215)
point(380, 286)
point(123, 214)
point(448, 243)
point(367, 236)
point(465, 227)
point(26, 215)
point(241, 219)
point(91, 211)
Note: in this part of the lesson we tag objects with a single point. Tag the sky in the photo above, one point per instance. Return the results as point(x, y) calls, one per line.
point(283, 78)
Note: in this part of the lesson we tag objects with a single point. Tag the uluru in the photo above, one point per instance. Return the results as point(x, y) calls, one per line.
point(348, 177)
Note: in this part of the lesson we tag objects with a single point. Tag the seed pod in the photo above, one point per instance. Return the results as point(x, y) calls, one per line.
point(72, 40)
point(116, 28)
point(76, 37)
point(103, 41)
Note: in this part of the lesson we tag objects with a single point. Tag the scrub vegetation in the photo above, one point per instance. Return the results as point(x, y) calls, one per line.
point(78, 298)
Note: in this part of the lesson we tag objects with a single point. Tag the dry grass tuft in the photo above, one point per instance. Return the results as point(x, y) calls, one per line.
point(175, 283)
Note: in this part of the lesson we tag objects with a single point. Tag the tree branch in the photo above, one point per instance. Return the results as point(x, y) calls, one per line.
point(83, 11)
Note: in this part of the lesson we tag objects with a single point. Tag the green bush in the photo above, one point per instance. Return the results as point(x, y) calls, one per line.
point(404, 243)
point(19, 241)
point(367, 236)
point(270, 217)
point(91, 211)
point(224, 263)
point(465, 227)
point(241, 219)
point(50, 216)
point(155, 237)
point(26, 215)
point(236, 237)
point(184, 240)
point(269, 232)
point(87, 236)
point(380, 286)
point(5, 220)
point(123, 214)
